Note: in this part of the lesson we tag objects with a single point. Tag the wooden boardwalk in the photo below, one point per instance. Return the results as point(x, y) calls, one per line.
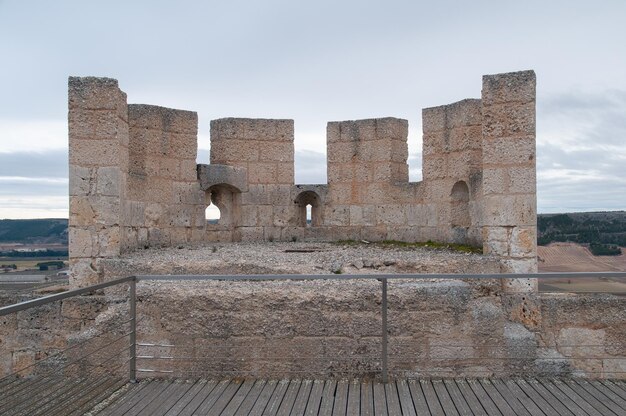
point(503, 397)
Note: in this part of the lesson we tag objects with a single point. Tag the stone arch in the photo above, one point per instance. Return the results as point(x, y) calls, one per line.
point(312, 199)
point(459, 205)
point(227, 199)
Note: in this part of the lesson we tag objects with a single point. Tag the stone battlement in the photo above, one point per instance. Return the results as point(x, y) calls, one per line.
point(134, 181)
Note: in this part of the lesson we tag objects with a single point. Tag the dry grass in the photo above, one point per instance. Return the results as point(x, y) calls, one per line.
point(571, 257)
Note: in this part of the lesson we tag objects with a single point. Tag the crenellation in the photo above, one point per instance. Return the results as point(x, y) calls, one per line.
point(135, 183)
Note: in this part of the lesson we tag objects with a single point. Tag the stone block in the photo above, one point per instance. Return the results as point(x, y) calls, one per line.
point(509, 151)
point(392, 128)
point(523, 180)
point(272, 233)
point(256, 195)
point(81, 242)
point(93, 93)
point(159, 237)
point(91, 210)
point(268, 130)
point(163, 119)
point(181, 215)
point(276, 152)
point(283, 216)
point(510, 210)
point(342, 152)
point(155, 215)
point(227, 129)
point(285, 173)
point(94, 124)
point(509, 87)
point(509, 120)
point(523, 241)
point(364, 215)
point(265, 215)
point(183, 146)
point(377, 233)
point(109, 241)
point(421, 215)
point(187, 193)
point(434, 167)
point(249, 216)
point(340, 172)
point(318, 233)
point(458, 165)
point(279, 194)
point(188, 170)
point(340, 193)
point(292, 234)
point(108, 181)
point(333, 132)
point(521, 266)
point(81, 180)
point(399, 151)
point(338, 215)
point(436, 143)
point(375, 151)
point(495, 181)
point(180, 235)
point(262, 173)
point(236, 177)
point(391, 214)
point(234, 152)
point(97, 153)
point(433, 119)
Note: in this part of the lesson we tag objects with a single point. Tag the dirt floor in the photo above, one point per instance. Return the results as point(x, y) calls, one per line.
point(571, 257)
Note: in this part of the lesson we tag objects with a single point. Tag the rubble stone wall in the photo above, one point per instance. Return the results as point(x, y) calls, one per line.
point(325, 329)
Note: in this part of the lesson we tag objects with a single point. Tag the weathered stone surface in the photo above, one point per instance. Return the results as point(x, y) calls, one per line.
point(133, 171)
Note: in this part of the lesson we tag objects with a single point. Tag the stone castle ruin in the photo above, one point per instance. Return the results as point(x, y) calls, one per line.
point(135, 184)
point(134, 181)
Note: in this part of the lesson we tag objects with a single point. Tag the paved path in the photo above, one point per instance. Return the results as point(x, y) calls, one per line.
point(503, 397)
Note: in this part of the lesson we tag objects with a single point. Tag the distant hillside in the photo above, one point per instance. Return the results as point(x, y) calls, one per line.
point(603, 232)
point(37, 231)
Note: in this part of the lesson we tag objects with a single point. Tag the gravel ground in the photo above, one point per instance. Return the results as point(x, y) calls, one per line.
point(300, 258)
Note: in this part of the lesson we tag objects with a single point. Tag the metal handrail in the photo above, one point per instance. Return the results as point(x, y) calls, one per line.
point(383, 278)
point(60, 296)
point(453, 276)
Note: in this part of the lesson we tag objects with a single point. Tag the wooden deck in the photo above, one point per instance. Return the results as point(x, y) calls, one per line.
point(504, 397)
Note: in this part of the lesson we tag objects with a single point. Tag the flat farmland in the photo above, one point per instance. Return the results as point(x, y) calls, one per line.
point(571, 257)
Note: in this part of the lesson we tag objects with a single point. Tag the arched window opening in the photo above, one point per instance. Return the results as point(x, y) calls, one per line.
point(212, 214)
point(223, 203)
point(309, 209)
point(459, 204)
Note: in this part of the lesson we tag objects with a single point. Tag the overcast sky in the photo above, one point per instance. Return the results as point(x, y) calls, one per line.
point(315, 62)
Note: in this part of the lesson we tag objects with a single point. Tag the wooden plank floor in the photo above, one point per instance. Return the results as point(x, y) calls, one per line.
point(459, 397)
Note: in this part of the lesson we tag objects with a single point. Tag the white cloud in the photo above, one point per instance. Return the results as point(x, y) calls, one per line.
point(32, 135)
point(43, 206)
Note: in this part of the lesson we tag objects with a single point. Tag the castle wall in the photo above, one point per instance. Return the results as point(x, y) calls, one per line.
point(164, 203)
point(264, 150)
point(98, 157)
point(509, 173)
point(134, 180)
point(452, 166)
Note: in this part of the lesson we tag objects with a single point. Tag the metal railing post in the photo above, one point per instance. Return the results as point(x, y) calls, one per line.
point(133, 333)
point(384, 338)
